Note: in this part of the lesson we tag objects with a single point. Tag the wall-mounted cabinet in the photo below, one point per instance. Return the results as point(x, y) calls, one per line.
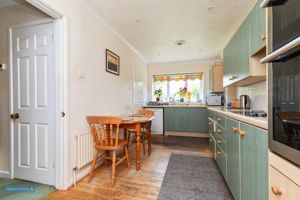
point(215, 75)
point(245, 49)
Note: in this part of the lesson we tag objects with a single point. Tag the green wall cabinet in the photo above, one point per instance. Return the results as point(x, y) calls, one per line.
point(233, 155)
point(186, 119)
point(257, 28)
point(238, 54)
point(254, 163)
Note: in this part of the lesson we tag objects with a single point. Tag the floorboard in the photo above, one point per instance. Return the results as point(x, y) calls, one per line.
point(132, 184)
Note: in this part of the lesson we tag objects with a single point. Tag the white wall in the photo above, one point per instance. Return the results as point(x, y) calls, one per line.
point(9, 16)
point(100, 92)
point(173, 68)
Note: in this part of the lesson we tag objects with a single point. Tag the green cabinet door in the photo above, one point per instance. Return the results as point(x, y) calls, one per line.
point(212, 146)
point(233, 157)
point(254, 163)
point(186, 119)
point(242, 52)
point(257, 28)
point(228, 59)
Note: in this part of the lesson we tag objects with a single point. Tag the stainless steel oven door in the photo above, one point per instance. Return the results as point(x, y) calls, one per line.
point(285, 32)
point(284, 101)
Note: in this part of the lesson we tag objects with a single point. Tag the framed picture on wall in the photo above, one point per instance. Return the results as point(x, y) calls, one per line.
point(112, 62)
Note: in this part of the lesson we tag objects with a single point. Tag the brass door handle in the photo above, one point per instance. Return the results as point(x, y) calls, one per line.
point(219, 131)
point(234, 129)
point(219, 153)
point(276, 191)
point(219, 141)
point(219, 119)
point(210, 123)
point(14, 116)
point(263, 37)
point(242, 133)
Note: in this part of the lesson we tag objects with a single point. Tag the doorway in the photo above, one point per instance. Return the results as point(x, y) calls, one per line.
point(38, 94)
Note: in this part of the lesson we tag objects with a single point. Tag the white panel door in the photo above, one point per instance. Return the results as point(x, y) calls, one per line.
point(34, 102)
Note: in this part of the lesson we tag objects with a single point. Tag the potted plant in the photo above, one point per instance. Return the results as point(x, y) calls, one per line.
point(158, 94)
point(182, 93)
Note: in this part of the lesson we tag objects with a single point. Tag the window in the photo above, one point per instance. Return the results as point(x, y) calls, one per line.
point(171, 84)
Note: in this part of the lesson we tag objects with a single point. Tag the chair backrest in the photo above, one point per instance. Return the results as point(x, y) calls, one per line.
point(102, 129)
point(144, 112)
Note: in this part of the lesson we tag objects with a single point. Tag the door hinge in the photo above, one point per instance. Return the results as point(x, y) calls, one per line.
point(53, 165)
point(52, 37)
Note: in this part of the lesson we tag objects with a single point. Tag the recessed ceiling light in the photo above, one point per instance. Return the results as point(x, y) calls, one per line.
point(180, 42)
point(158, 54)
point(137, 20)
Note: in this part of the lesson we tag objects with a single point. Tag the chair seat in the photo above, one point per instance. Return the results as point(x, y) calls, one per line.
point(112, 146)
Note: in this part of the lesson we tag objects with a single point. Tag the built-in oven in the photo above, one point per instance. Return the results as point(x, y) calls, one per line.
point(284, 77)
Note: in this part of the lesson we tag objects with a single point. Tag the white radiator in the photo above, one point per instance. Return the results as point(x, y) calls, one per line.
point(85, 149)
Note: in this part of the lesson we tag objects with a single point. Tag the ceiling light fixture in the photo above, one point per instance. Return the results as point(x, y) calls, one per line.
point(180, 42)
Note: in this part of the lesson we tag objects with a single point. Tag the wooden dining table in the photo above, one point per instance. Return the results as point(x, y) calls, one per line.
point(136, 123)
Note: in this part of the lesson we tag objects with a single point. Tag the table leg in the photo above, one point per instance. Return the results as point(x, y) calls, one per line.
point(138, 140)
point(149, 139)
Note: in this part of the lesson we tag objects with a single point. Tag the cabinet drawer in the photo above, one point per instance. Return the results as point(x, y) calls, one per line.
point(221, 120)
point(212, 146)
point(211, 115)
point(221, 161)
point(221, 144)
point(281, 184)
point(221, 132)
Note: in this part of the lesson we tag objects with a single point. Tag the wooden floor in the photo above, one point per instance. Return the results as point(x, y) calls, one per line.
point(132, 184)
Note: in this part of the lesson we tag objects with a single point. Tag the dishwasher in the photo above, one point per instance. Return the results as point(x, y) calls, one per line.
point(157, 127)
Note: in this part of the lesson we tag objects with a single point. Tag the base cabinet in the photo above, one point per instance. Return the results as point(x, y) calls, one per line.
point(281, 187)
point(243, 161)
point(233, 161)
point(254, 163)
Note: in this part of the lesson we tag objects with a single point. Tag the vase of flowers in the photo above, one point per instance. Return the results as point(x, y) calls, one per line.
point(158, 94)
point(182, 93)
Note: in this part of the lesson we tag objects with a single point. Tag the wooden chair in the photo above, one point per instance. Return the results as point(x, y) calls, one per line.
point(102, 128)
point(145, 130)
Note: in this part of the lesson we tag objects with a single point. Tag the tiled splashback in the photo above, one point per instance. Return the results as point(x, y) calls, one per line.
point(257, 93)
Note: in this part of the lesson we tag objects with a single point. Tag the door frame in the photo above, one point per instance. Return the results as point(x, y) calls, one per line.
point(61, 62)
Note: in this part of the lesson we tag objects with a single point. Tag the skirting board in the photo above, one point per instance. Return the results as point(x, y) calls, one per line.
point(187, 134)
point(4, 174)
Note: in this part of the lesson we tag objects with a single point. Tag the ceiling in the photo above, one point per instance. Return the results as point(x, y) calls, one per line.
point(153, 26)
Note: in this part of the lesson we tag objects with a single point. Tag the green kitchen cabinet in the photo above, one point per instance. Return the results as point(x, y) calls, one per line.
point(257, 28)
point(233, 158)
point(186, 119)
point(240, 63)
point(254, 163)
point(221, 161)
point(212, 145)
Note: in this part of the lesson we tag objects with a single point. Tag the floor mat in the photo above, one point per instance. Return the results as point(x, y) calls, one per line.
point(23, 190)
point(193, 177)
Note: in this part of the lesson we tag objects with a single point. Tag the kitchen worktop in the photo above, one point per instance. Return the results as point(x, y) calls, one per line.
point(261, 122)
point(178, 106)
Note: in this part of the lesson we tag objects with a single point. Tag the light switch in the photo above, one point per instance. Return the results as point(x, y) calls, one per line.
point(2, 67)
point(81, 73)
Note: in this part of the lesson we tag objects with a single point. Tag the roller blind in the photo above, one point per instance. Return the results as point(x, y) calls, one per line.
point(178, 77)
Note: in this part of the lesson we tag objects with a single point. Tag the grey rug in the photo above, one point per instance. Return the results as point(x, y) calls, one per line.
point(193, 177)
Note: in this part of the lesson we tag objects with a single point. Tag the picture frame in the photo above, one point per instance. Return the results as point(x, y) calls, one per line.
point(112, 62)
